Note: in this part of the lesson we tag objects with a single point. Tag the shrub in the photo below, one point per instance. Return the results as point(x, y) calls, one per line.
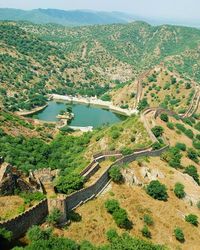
point(111, 206)
point(157, 190)
point(170, 125)
point(119, 215)
point(192, 154)
point(115, 174)
point(189, 133)
point(181, 146)
point(196, 144)
point(143, 104)
point(111, 234)
point(121, 218)
point(179, 190)
point(157, 145)
point(198, 204)
point(126, 151)
point(106, 98)
point(192, 171)
point(179, 234)
point(54, 217)
point(145, 232)
point(35, 234)
point(173, 157)
point(5, 234)
point(164, 117)
point(157, 131)
point(148, 220)
point(192, 219)
point(115, 134)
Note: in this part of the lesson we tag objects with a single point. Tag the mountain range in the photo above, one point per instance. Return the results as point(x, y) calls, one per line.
point(68, 18)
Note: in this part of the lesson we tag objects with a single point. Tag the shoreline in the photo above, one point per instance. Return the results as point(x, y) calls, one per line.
point(31, 112)
point(95, 102)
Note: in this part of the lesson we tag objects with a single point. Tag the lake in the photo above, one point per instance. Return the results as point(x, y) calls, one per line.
point(85, 115)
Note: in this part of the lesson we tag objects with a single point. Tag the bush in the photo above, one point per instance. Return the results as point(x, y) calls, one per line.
point(5, 234)
point(157, 190)
point(145, 232)
point(35, 234)
point(192, 219)
point(179, 234)
point(148, 220)
point(142, 104)
point(181, 146)
point(192, 171)
point(170, 125)
point(173, 157)
point(192, 154)
point(196, 144)
point(106, 98)
point(198, 204)
point(30, 197)
point(54, 217)
point(164, 117)
point(115, 134)
point(157, 145)
point(157, 131)
point(115, 174)
point(179, 190)
point(126, 151)
point(121, 218)
point(111, 234)
point(119, 215)
point(112, 206)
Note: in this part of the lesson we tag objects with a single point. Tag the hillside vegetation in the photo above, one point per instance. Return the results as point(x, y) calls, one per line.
point(68, 18)
point(41, 59)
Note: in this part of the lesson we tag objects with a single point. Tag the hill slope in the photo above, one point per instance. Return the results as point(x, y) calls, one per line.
point(41, 59)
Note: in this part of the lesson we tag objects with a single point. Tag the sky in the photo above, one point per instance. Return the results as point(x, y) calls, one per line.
point(164, 9)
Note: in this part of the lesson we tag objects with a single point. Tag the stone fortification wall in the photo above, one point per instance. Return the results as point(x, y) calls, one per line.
point(20, 224)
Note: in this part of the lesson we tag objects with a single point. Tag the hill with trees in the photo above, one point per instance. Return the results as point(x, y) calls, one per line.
point(68, 18)
point(42, 59)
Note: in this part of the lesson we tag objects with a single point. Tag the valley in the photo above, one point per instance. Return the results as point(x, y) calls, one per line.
point(113, 186)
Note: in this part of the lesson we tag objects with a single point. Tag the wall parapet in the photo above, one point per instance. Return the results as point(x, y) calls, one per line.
point(21, 223)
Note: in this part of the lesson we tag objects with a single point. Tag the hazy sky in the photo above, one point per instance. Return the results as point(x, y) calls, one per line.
point(170, 9)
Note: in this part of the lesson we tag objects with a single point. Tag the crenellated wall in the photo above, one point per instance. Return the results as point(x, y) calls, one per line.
point(35, 215)
point(21, 223)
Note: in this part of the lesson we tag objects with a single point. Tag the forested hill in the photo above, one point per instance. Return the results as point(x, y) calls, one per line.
point(40, 59)
point(69, 18)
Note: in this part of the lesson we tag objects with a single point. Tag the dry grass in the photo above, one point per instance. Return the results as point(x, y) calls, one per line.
point(166, 215)
point(10, 206)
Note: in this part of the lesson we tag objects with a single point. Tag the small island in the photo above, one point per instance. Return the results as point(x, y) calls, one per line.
point(66, 115)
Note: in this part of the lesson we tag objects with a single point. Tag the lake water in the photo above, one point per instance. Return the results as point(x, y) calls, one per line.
point(85, 115)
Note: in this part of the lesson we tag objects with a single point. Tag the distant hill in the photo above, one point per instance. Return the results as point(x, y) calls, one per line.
point(68, 18)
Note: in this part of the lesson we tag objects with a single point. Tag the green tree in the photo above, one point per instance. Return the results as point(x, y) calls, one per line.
point(54, 217)
point(192, 171)
point(164, 117)
point(112, 205)
point(148, 220)
point(69, 183)
point(192, 219)
point(178, 232)
point(157, 190)
point(157, 131)
point(115, 174)
point(179, 190)
point(145, 232)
